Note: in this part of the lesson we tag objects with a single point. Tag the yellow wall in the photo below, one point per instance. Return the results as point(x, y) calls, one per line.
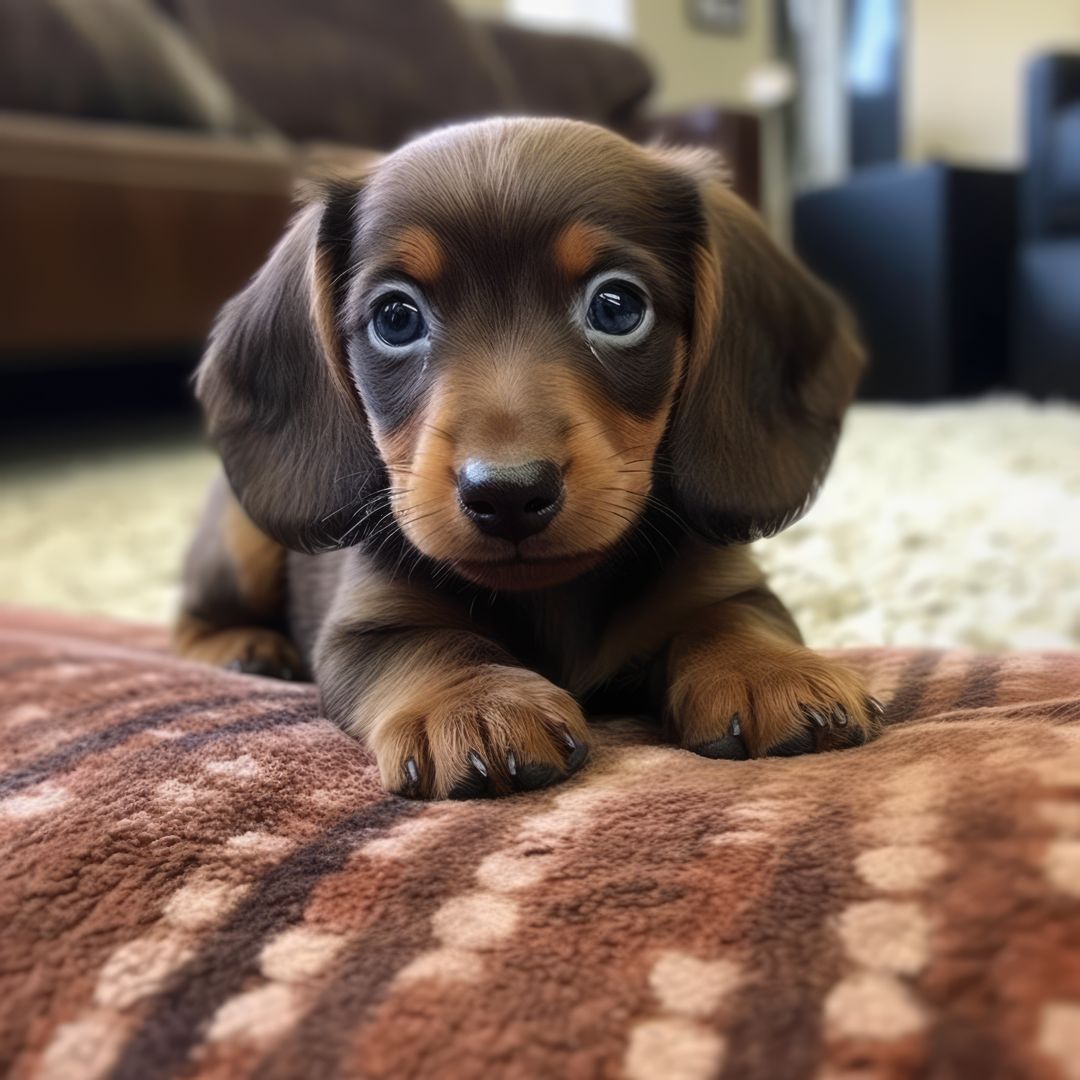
point(485, 8)
point(693, 66)
point(964, 67)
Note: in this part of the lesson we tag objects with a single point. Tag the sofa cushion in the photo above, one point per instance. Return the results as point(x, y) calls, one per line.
point(586, 78)
point(365, 72)
point(373, 73)
point(112, 60)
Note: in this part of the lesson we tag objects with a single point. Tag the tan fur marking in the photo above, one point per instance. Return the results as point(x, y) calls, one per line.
point(576, 248)
point(707, 303)
point(322, 308)
point(324, 320)
point(420, 254)
point(258, 561)
point(487, 408)
point(195, 639)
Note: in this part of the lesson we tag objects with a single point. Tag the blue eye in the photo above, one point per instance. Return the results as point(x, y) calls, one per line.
point(398, 321)
point(617, 308)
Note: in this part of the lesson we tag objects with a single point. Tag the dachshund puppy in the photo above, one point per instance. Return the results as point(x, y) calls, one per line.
point(498, 418)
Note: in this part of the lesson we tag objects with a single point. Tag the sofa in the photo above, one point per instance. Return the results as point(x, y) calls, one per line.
point(1046, 339)
point(149, 149)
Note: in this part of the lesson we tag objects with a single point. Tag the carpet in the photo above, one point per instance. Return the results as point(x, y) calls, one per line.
point(946, 525)
point(200, 877)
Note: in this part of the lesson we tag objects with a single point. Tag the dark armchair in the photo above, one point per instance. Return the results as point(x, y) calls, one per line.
point(1046, 342)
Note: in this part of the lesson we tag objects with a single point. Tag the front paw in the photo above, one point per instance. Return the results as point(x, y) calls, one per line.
point(492, 730)
point(777, 705)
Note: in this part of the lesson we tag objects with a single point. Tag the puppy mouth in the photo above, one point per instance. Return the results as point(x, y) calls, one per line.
point(523, 572)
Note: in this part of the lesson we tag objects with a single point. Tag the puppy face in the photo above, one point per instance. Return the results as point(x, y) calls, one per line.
point(516, 327)
point(510, 337)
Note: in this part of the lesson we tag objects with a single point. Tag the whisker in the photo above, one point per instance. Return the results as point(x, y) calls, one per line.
point(642, 524)
point(439, 431)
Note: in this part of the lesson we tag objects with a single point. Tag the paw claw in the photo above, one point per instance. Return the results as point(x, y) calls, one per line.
point(578, 753)
point(876, 707)
point(729, 747)
point(531, 776)
point(816, 716)
point(411, 790)
point(840, 715)
point(474, 784)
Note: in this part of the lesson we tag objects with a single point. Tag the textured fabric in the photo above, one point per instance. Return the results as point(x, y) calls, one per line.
point(201, 877)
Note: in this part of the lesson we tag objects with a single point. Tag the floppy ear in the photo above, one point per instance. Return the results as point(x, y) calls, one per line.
point(275, 385)
point(772, 365)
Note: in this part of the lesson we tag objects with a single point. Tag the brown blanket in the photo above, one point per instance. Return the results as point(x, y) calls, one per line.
point(201, 877)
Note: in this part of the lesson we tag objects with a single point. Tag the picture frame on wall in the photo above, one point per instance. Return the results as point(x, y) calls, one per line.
point(717, 16)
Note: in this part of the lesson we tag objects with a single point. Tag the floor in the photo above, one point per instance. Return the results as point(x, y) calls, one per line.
point(956, 524)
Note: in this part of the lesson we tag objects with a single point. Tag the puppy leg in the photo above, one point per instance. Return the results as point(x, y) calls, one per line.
point(231, 612)
point(447, 713)
point(742, 684)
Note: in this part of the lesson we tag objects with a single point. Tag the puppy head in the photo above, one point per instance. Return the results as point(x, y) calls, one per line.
point(510, 337)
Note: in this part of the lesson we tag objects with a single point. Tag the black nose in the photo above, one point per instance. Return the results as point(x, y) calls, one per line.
point(511, 501)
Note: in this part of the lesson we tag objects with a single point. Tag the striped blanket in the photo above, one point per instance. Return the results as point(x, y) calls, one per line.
point(200, 877)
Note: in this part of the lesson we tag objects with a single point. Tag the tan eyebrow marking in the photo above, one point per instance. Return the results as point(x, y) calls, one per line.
point(577, 247)
point(420, 254)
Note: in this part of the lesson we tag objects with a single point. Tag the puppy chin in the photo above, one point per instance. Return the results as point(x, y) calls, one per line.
point(522, 574)
point(502, 567)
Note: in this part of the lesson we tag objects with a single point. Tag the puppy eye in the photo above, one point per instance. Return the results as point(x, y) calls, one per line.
point(398, 321)
point(617, 308)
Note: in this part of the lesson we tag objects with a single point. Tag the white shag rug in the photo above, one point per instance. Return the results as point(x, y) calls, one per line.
point(954, 524)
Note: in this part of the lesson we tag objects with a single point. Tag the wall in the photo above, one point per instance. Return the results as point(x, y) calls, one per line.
point(485, 8)
point(965, 62)
point(692, 65)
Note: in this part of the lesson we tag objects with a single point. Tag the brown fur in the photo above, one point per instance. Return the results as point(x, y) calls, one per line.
point(735, 660)
point(439, 644)
point(241, 646)
point(435, 706)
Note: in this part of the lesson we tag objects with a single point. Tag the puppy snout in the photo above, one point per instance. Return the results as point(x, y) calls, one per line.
point(510, 501)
